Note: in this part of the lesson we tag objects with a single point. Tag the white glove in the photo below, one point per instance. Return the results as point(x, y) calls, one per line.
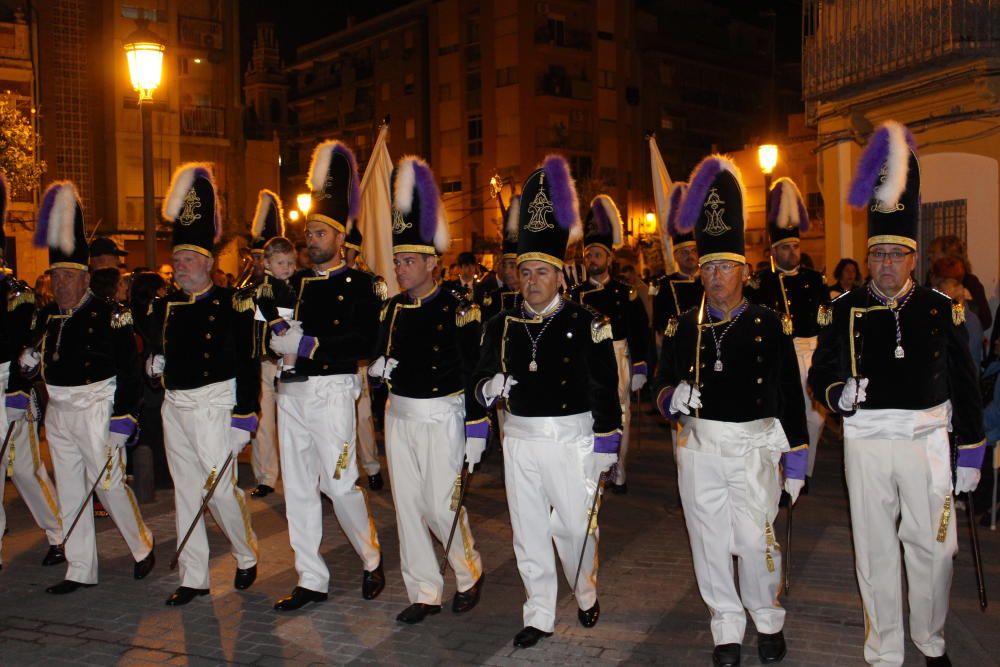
point(238, 439)
point(685, 397)
point(154, 365)
point(117, 440)
point(499, 386)
point(288, 343)
point(966, 480)
point(474, 448)
point(600, 463)
point(29, 359)
point(854, 394)
point(638, 382)
point(382, 367)
point(793, 487)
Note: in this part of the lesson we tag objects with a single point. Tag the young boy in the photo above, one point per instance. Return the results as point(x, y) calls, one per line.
point(276, 298)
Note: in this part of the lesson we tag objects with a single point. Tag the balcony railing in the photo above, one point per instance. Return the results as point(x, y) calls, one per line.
point(857, 42)
point(569, 39)
point(198, 121)
point(561, 85)
point(565, 138)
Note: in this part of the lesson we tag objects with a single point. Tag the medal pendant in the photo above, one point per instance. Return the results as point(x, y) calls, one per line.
point(899, 352)
point(718, 366)
point(533, 366)
point(55, 356)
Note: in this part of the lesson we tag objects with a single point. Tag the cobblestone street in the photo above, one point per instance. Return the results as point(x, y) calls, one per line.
point(651, 611)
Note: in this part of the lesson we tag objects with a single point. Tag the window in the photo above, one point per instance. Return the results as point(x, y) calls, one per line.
point(408, 84)
point(941, 218)
point(605, 79)
point(451, 186)
point(472, 31)
point(506, 76)
point(606, 36)
point(475, 192)
point(411, 128)
point(556, 30)
point(475, 134)
point(581, 166)
point(182, 65)
point(275, 110)
point(408, 40)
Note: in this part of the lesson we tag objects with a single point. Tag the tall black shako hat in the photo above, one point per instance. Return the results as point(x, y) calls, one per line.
point(787, 215)
point(333, 180)
point(60, 227)
point(887, 182)
point(268, 220)
point(418, 221)
point(549, 214)
point(603, 226)
point(511, 215)
point(713, 209)
point(193, 208)
point(671, 237)
point(354, 239)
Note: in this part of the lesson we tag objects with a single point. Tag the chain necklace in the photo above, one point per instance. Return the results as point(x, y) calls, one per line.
point(894, 304)
point(718, 338)
point(547, 317)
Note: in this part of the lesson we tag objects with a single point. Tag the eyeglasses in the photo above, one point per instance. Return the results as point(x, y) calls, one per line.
point(895, 257)
point(725, 268)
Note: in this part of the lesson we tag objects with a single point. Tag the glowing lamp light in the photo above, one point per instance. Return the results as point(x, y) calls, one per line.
point(767, 156)
point(144, 52)
point(304, 201)
point(649, 225)
point(293, 215)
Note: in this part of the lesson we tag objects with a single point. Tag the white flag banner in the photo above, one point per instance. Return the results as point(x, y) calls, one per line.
point(376, 212)
point(661, 193)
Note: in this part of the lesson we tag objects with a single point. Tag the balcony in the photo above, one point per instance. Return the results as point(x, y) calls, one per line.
point(558, 84)
point(363, 113)
point(554, 34)
point(564, 138)
point(854, 43)
point(198, 121)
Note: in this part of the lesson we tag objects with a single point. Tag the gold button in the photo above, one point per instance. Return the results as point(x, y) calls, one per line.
point(857, 314)
point(93, 314)
point(937, 354)
point(208, 336)
point(703, 364)
point(757, 339)
point(440, 327)
point(434, 368)
point(211, 318)
point(86, 363)
point(326, 367)
point(563, 382)
point(760, 359)
point(205, 374)
point(215, 302)
point(207, 355)
point(348, 279)
point(565, 360)
point(760, 380)
point(340, 297)
point(573, 315)
point(434, 388)
point(756, 320)
point(436, 348)
point(934, 311)
point(90, 330)
point(563, 406)
point(336, 323)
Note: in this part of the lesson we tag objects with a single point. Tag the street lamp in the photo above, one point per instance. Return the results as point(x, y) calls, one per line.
point(304, 201)
point(650, 226)
point(144, 52)
point(293, 215)
point(767, 156)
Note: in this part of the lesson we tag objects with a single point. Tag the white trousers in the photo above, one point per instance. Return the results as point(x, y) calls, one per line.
point(804, 348)
point(28, 472)
point(367, 449)
point(549, 497)
point(719, 491)
point(264, 453)
point(624, 361)
point(76, 426)
point(196, 426)
point(897, 490)
point(315, 422)
point(425, 447)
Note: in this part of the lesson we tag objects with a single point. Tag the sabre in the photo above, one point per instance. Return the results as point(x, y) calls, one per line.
point(201, 510)
point(977, 556)
point(697, 349)
point(86, 500)
point(786, 560)
point(591, 518)
point(6, 441)
point(458, 514)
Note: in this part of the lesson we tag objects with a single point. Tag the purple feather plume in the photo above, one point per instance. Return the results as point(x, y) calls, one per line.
point(354, 201)
point(869, 166)
point(701, 180)
point(430, 199)
point(41, 239)
point(565, 206)
point(774, 205)
point(601, 219)
point(676, 197)
point(803, 218)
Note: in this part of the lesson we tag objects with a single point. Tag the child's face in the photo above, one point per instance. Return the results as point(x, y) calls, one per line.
point(281, 265)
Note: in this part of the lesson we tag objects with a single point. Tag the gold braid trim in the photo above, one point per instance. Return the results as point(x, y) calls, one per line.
point(383, 312)
point(121, 317)
point(671, 327)
point(380, 288)
point(824, 316)
point(265, 291)
point(600, 330)
point(467, 315)
point(243, 303)
point(15, 299)
point(958, 313)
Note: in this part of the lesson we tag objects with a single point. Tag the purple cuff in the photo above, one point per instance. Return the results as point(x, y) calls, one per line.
point(479, 429)
point(607, 444)
point(280, 326)
point(972, 457)
point(307, 347)
point(247, 423)
point(124, 425)
point(18, 401)
point(795, 463)
point(640, 368)
point(663, 402)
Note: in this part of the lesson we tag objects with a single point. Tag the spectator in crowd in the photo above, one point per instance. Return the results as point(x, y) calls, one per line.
point(846, 276)
point(302, 256)
point(807, 261)
point(105, 282)
point(167, 273)
point(952, 246)
point(105, 254)
point(43, 290)
point(947, 275)
point(629, 275)
point(146, 286)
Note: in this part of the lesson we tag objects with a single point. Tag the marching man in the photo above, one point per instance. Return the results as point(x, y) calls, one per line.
point(428, 346)
point(729, 374)
point(552, 363)
point(893, 359)
point(681, 290)
point(203, 351)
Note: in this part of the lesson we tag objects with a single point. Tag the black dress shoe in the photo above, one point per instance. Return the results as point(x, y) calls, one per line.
point(465, 600)
point(299, 598)
point(771, 648)
point(417, 612)
point(783, 499)
point(938, 661)
point(262, 490)
point(726, 655)
point(375, 482)
point(588, 617)
point(145, 566)
point(55, 555)
point(67, 586)
point(244, 578)
point(619, 489)
point(183, 595)
point(529, 636)
point(372, 582)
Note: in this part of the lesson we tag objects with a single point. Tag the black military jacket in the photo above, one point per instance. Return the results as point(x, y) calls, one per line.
point(576, 367)
point(620, 304)
point(207, 338)
point(436, 342)
point(270, 294)
point(859, 340)
point(339, 312)
point(16, 314)
point(672, 295)
point(799, 293)
point(759, 376)
point(492, 296)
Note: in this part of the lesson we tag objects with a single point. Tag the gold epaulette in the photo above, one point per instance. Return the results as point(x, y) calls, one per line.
point(20, 295)
point(384, 311)
point(824, 316)
point(380, 288)
point(467, 313)
point(958, 313)
point(671, 327)
point(600, 329)
point(786, 324)
point(265, 291)
point(243, 301)
point(754, 282)
point(121, 317)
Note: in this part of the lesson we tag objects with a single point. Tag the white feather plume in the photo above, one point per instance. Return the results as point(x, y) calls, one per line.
point(513, 218)
point(788, 205)
point(180, 184)
point(442, 239)
point(62, 219)
point(897, 167)
point(265, 201)
point(402, 196)
point(613, 216)
point(320, 164)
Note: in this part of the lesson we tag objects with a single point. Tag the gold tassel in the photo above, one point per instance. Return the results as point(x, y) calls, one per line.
point(770, 562)
point(769, 539)
point(600, 330)
point(10, 460)
point(380, 288)
point(786, 324)
point(958, 313)
point(467, 315)
point(383, 312)
point(265, 291)
point(107, 476)
point(671, 327)
point(945, 518)
point(824, 316)
point(456, 493)
point(121, 317)
point(211, 479)
point(341, 462)
point(18, 298)
point(633, 294)
point(243, 303)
